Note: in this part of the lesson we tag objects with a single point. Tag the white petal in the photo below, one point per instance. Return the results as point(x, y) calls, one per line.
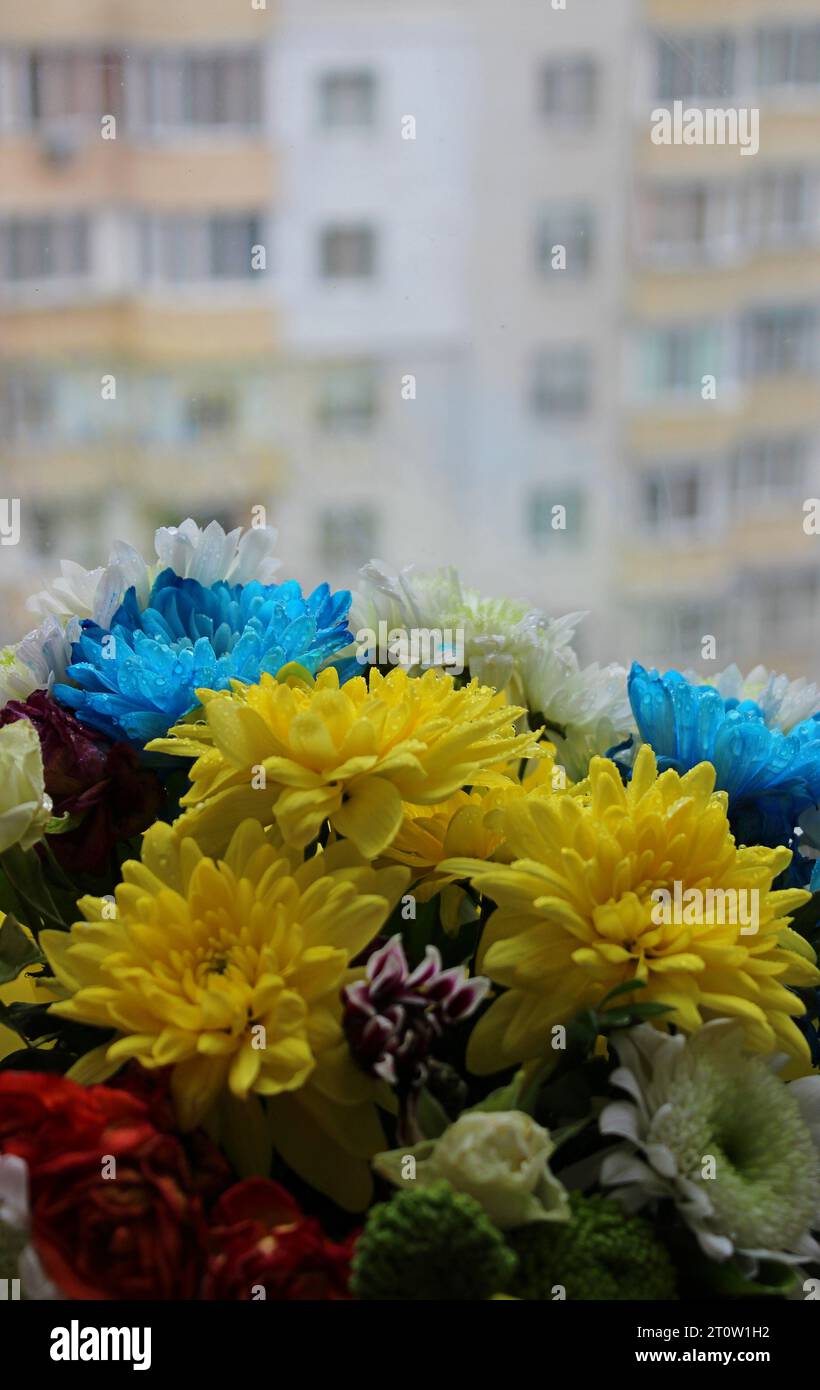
point(662, 1159)
point(622, 1167)
point(626, 1080)
point(716, 1247)
point(35, 1283)
point(695, 1197)
point(14, 1192)
point(806, 1092)
point(619, 1117)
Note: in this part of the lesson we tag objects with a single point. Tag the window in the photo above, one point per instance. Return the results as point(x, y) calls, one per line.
point(348, 399)
point(782, 208)
point(347, 253)
point(785, 604)
point(44, 248)
point(769, 470)
point(689, 623)
point(46, 527)
point(671, 498)
point(561, 381)
point(688, 221)
point(347, 536)
point(673, 632)
point(27, 407)
point(570, 227)
point(788, 56)
point(170, 91)
point(63, 85)
point(697, 67)
point(779, 340)
point(568, 92)
point(554, 515)
point(675, 359)
point(347, 100)
point(190, 247)
point(210, 414)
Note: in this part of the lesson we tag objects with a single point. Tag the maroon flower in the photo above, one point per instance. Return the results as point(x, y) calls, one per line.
point(88, 776)
point(394, 1016)
point(261, 1240)
point(210, 1171)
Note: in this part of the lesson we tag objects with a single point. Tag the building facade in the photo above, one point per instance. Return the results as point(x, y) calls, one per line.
point(418, 281)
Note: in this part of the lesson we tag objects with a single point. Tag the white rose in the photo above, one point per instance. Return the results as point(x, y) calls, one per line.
point(501, 1159)
point(25, 810)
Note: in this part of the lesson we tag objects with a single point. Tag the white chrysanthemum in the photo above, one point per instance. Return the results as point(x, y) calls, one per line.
point(585, 709)
point(25, 807)
point(15, 1225)
point(212, 554)
point(784, 702)
point(38, 660)
point(193, 553)
point(717, 1131)
point(497, 633)
point(95, 594)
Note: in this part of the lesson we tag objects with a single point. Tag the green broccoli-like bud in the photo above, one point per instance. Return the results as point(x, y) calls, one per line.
point(430, 1243)
point(600, 1253)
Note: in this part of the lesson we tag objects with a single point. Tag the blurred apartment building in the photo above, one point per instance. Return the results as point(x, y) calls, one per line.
point(318, 261)
point(135, 338)
point(725, 282)
point(250, 295)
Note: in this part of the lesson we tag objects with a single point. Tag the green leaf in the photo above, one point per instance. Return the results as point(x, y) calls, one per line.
point(49, 1059)
point(12, 1244)
point(10, 900)
point(806, 921)
point(616, 1018)
point(417, 932)
point(59, 825)
point(567, 1132)
point(243, 1129)
point(25, 874)
point(625, 987)
point(17, 950)
point(728, 1281)
point(504, 1098)
point(650, 1010)
point(432, 1117)
point(530, 1087)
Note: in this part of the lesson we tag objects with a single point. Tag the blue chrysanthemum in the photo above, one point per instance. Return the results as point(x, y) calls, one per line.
point(136, 679)
point(771, 778)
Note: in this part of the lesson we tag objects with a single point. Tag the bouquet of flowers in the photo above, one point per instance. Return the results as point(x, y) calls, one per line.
point(368, 946)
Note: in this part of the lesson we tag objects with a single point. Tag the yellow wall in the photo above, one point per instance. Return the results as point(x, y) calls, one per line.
point(215, 173)
point(191, 21)
point(705, 14)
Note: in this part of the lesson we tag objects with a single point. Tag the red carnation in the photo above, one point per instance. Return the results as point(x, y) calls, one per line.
point(138, 1234)
point(42, 1115)
point(210, 1171)
point(261, 1240)
point(116, 1209)
point(89, 776)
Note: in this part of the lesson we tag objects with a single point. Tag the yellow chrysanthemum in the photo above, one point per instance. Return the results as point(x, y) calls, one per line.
point(26, 989)
point(468, 824)
point(575, 914)
point(301, 752)
point(230, 972)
